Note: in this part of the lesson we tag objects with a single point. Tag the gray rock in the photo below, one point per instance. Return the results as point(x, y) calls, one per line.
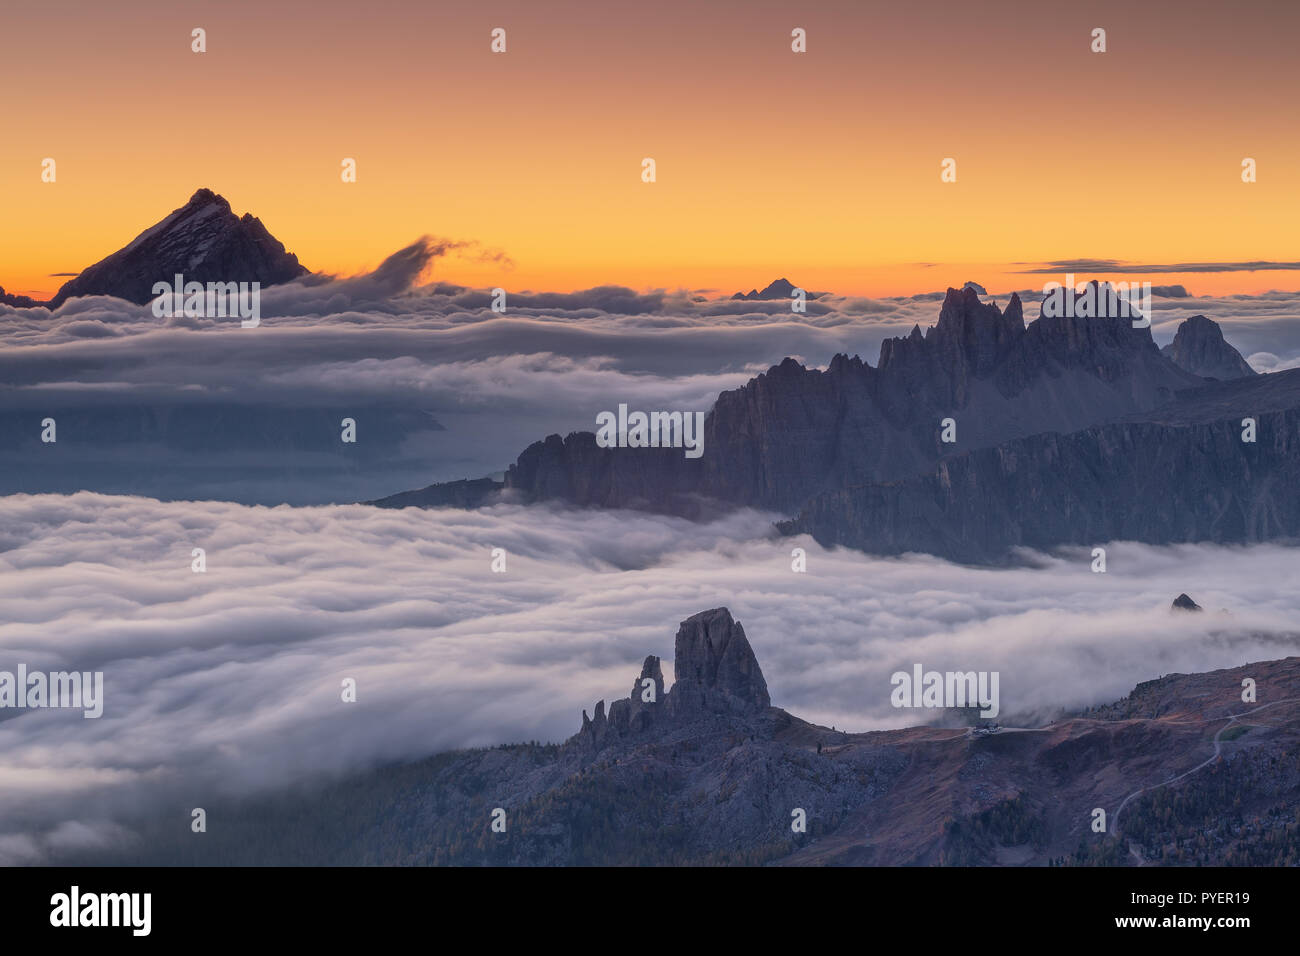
point(717, 674)
point(715, 667)
point(1181, 475)
point(1199, 347)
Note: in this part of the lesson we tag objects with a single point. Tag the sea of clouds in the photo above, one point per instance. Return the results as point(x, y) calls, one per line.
point(494, 382)
point(229, 681)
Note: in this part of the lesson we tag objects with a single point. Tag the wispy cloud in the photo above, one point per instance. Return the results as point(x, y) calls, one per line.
point(1118, 266)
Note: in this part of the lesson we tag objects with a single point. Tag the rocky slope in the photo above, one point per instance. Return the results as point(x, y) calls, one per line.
point(709, 772)
point(203, 240)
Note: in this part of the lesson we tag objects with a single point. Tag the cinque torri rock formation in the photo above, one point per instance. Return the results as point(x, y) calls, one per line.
point(710, 772)
point(203, 240)
point(1068, 430)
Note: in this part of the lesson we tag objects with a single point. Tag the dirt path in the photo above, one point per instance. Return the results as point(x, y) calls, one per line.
point(1218, 749)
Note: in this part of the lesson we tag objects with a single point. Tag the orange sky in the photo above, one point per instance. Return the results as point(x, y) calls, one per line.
point(823, 167)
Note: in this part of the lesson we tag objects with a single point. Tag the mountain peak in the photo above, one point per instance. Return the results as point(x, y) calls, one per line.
point(1200, 348)
point(203, 240)
point(202, 196)
point(776, 289)
point(1184, 603)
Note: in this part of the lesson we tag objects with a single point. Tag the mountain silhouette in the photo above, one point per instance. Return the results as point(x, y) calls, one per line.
point(203, 240)
point(1083, 411)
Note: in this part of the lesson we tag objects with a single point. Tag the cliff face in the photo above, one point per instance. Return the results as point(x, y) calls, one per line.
point(203, 240)
point(1068, 431)
point(1199, 347)
point(793, 432)
point(1186, 476)
point(575, 469)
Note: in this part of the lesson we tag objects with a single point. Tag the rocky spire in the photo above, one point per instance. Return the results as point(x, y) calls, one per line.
point(715, 667)
point(1200, 348)
point(716, 673)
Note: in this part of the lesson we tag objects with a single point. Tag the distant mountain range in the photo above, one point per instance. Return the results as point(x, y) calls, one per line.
point(778, 289)
point(709, 772)
point(1067, 430)
point(203, 240)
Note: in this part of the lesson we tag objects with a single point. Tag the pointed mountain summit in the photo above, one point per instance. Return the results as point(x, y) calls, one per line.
point(778, 289)
point(203, 240)
point(1199, 347)
point(1184, 603)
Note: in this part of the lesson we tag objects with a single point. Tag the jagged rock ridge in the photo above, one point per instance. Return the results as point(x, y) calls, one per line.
point(794, 432)
point(777, 289)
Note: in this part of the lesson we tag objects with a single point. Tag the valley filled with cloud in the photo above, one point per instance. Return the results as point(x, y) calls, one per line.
point(228, 681)
point(442, 386)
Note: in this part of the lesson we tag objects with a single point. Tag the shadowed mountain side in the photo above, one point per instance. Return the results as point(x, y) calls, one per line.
point(1199, 347)
point(793, 432)
point(203, 240)
point(710, 773)
point(1193, 479)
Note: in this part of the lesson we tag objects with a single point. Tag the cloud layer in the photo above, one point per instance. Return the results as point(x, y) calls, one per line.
point(494, 382)
point(230, 681)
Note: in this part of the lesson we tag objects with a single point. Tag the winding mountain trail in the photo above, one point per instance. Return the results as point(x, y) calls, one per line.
point(1218, 749)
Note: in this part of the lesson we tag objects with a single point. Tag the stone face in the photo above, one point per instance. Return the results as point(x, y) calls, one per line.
point(203, 240)
point(715, 667)
point(1183, 475)
point(1199, 347)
